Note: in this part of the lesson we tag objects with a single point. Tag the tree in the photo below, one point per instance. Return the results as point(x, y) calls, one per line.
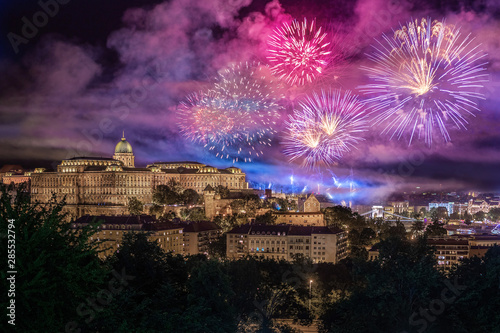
point(238, 205)
point(57, 266)
point(397, 230)
point(285, 205)
point(248, 205)
point(155, 297)
point(386, 291)
point(438, 213)
point(494, 214)
point(467, 218)
point(477, 285)
point(423, 212)
point(338, 216)
point(217, 248)
point(209, 293)
point(227, 222)
point(170, 215)
point(190, 197)
point(442, 213)
point(267, 218)
point(479, 216)
point(135, 207)
point(169, 194)
point(175, 187)
point(417, 228)
point(156, 210)
point(435, 229)
point(252, 204)
point(223, 191)
point(193, 214)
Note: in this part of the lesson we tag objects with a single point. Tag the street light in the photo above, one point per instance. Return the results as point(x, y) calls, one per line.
point(310, 293)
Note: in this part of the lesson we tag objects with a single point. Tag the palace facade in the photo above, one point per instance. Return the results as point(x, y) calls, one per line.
point(103, 186)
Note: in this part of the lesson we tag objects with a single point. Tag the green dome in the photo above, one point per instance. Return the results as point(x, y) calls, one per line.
point(123, 147)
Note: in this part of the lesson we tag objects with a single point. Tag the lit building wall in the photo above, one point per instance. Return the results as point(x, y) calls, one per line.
point(313, 219)
point(280, 242)
point(199, 235)
point(96, 186)
point(110, 233)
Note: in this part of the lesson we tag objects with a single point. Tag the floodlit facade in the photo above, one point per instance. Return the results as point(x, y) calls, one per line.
point(309, 214)
point(283, 242)
point(450, 250)
point(199, 235)
point(482, 205)
point(103, 186)
point(312, 219)
point(110, 232)
point(448, 205)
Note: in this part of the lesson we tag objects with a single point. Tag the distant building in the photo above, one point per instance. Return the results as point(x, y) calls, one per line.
point(400, 207)
point(480, 244)
point(215, 205)
point(197, 176)
point(482, 205)
point(112, 229)
point(450, 250)
point(448, 205)
point(304, 219)
point(460, 208)
point(16, 179)
point(283, 242)
point(361, 209)
point(10, 168)
point(309, 213)
point(184, 238)
point(310, 204)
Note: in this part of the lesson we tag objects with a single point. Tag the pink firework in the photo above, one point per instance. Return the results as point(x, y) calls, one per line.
point(299, 52)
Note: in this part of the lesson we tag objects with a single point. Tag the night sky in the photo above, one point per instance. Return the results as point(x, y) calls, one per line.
point(97, 68)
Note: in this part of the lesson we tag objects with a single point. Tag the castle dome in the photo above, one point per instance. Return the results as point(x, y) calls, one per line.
point(123, 146)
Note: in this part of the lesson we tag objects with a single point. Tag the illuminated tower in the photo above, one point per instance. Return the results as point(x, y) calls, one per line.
point(123, 152)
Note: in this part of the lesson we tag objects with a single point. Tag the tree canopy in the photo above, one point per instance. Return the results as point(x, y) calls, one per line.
point(57, 266)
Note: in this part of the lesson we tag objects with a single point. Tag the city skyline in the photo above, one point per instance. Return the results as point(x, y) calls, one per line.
point(73, 87)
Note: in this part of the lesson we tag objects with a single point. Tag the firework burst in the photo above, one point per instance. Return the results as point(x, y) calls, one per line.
point(424, 78)
point(253, 90)
point(206, 118)
point(299, 52)
point(327, 126)
point(251, 86)
point(236, 118)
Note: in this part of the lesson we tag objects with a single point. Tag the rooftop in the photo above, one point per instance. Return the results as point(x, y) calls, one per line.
point(199, 226)
point(118, 219)
point(283, 229)
point(90, 158)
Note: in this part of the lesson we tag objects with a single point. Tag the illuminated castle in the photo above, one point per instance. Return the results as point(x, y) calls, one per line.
point(103, 186)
